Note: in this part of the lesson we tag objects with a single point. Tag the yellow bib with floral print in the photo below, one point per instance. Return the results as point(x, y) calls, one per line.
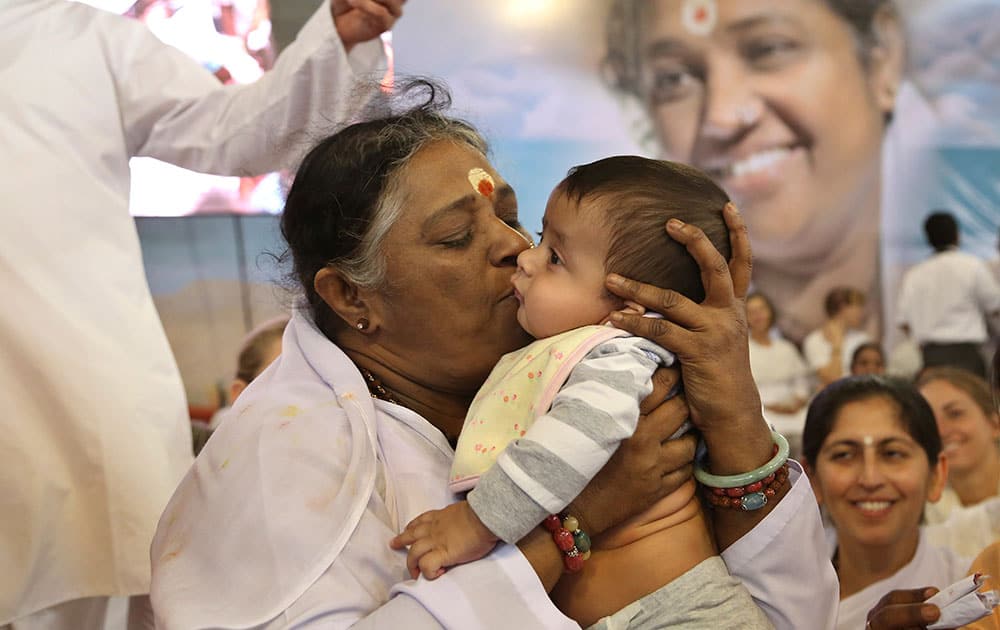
point(520, 388)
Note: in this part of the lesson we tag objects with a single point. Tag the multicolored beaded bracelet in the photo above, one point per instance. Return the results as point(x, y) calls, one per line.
point(570, 539)
point(748, 491)
point(752, 496)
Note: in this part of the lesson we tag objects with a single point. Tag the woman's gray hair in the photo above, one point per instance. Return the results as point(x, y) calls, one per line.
point(366, 267)
point(348, 193)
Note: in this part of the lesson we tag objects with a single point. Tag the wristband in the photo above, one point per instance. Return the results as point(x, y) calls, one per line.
point(736, 481)
point(572, 541)
point(752, 496)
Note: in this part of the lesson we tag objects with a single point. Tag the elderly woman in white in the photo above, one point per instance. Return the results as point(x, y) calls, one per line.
point(286, 517)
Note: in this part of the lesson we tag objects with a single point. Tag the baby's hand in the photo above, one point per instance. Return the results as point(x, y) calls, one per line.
point(443, 538)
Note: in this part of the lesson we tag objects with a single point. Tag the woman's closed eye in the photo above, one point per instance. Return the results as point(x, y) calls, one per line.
point(458, 241)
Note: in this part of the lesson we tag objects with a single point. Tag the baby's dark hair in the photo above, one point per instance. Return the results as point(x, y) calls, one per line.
point(637, 197)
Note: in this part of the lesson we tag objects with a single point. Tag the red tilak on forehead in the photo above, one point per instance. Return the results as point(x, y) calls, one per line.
point(699, 16)
point(481, 182)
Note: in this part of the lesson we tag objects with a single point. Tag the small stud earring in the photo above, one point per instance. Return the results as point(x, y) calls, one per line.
point(362, 324)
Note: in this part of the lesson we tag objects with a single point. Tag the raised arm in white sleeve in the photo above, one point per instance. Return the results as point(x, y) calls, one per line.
point(783, 561)
point(176, 111)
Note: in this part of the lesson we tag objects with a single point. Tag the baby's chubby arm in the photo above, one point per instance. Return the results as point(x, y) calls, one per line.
point(444, 538)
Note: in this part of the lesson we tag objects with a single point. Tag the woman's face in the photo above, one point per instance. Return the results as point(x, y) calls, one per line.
point(872, 477)
point(868, 361)
point(968, 434)
point(759, 315)
point(449, 312)
point(775, 103)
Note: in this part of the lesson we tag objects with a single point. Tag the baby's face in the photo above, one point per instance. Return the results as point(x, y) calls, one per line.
point(560, 283)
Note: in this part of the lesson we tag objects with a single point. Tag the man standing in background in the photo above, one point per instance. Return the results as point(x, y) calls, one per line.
point(946, 300)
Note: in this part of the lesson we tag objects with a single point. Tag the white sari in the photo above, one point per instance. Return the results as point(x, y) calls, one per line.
point(930, 566)
point(285, 519)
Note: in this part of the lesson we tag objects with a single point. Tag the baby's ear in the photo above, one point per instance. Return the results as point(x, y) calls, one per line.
point(633, 308)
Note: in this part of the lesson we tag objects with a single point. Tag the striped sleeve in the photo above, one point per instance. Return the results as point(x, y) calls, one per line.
point(597, 408)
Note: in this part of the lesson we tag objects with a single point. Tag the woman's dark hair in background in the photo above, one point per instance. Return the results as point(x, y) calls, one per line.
point(913, 412)
point(637, 196)
point(346, 194)
point(253, 352)
point(839, 297)
point(873, 346)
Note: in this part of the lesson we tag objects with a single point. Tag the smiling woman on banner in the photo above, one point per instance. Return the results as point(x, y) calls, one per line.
point(786, 104)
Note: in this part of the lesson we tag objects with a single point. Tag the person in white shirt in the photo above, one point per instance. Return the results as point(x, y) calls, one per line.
point(946, 300)
point(345, 438)
point(829, 349)
point(779, 371)
point(970, 433)
point(98, 434)
point(873, 454)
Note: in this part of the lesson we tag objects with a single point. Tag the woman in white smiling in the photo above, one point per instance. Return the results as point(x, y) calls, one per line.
point(786, 105)
point(874, 457)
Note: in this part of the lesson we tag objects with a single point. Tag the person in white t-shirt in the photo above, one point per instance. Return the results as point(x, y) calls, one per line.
point(946, 300)
point(779, 371)
point(829, 348)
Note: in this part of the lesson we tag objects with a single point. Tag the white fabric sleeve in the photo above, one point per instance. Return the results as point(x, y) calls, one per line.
point(498, 591)
point(174, 110)
point(816, 351)
point(541, 473)
point(783, 561)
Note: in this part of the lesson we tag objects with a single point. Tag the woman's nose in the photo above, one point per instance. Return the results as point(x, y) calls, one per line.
point(731, 104)
point(871, 472)
point(508, 243)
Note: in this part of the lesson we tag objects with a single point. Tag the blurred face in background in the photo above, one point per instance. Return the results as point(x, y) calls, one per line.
point(775, 101)
point(760, 318)
point(868, 360)
point(968, 432)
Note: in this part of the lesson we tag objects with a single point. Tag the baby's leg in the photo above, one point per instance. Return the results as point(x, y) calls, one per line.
point(638, 558)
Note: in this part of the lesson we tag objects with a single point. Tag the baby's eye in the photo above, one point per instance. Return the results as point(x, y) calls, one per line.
point(554, 258)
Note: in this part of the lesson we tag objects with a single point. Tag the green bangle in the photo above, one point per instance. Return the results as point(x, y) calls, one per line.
point(735, 481)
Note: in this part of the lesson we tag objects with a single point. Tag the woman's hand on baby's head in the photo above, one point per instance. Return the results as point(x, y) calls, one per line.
point(444, 538)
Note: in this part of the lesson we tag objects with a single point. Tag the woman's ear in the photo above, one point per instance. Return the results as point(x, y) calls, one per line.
point(938, 478)
point(887, 58)
point(995, 419)
point(345, 299)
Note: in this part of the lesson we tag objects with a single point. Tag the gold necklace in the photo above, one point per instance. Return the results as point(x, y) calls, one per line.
point(375, 387)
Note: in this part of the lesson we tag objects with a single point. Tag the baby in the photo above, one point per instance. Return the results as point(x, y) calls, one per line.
point(550, 415)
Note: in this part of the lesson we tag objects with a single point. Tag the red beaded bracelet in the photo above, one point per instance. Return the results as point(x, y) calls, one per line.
point(570, 539)
point(751, 496)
